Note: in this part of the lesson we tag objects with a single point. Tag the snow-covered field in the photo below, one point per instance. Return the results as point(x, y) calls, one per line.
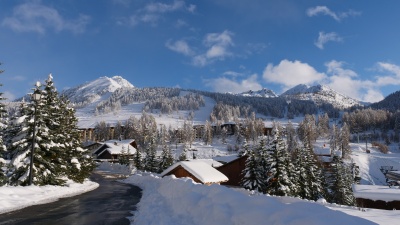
point(172, 201)
point(18, 197)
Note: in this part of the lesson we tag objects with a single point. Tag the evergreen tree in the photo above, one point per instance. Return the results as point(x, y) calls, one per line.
point(137, 160)
point(3, 149)
point(183, 155)
point(208, 137)
point(244, 149)
point(313, 174)
point(79, 162)
point(345, 141)
point(151, 161)
point(46, 168)
point(167, 159)
point(124, 157)
point(341, 189)
point(253, 178)
point(278, 174)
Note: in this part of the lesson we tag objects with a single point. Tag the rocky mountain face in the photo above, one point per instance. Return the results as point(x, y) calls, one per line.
point(96, 90)
point(320, 94)
point(266, 93)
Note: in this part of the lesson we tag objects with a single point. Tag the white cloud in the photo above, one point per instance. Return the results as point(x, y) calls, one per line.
point(223, 84)
point(392, 74)
point(347, 82)
point(159, 7)
point(191, 8)
point(336, 67)
point(35, 17)
point(233, 73)
point(323, 38)
point(291, 73)
point(153, 12)
point(180, 23)
point(180, 46)
point(217, 45)
point(315, 11)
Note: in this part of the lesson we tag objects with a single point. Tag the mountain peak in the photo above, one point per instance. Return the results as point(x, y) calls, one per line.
point(94, 90)
point(320, 94)
point(265, 92)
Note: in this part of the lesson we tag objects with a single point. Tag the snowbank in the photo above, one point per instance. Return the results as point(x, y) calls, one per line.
point(18, 197)
point(181, 201)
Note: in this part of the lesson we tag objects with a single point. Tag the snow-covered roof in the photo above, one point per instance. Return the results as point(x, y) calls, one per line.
point(210, 162)
point(201, 170)
point(225, 158)
point(377, 192)
point(115, 147)
point(325, 150)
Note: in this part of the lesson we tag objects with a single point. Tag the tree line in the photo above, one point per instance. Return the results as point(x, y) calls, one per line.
point(278, 167)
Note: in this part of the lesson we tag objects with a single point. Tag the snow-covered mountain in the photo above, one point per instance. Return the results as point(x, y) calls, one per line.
point(320, 94)
point(266, 93)
point(95, 90)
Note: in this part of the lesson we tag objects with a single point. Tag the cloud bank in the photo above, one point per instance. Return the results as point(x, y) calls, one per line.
point(36, 17)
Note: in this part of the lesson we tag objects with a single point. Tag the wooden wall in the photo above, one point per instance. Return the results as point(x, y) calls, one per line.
point(379, 204)
point(179, 172)
point(233, 170)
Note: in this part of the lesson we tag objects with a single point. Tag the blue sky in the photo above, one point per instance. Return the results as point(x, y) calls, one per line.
point(214, 45)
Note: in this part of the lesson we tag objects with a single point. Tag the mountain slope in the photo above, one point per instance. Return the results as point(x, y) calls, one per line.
point(320, 94)
point(266, 93)
point(391, 102)
point(95, 90)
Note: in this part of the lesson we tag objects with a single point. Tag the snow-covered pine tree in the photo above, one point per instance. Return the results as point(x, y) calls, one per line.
point(46, 170)
point(278, 175)
point(291, 137)
point(3, 149)
point(253, 178)
point(244, 149)
point(151, 161)
point(341, 188)
point(137, 160)
point(208, 133)
point(75, 162)
point(334, 139)
point(300, 161)
point(314, 174)
point(167, 159)
point(183, 155)
point(345, 141)
point(123, 159)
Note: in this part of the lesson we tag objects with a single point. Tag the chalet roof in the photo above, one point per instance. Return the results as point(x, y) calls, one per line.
point(225, 158)
point(376, 192)
point(115, 147)
point(199, 169)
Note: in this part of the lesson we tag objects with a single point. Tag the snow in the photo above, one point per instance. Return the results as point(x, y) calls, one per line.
point(201, 170)
point(18, 197)
point(377, 192)
point(181, 201)
point(116, 146)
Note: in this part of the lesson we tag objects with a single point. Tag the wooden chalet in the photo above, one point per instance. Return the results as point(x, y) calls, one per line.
point(199, 171)
point(112, 150)
point(233, 170)
point(92, 147)
point(376, 196)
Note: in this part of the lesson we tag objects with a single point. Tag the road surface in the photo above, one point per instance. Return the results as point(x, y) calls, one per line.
point(110, 203)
